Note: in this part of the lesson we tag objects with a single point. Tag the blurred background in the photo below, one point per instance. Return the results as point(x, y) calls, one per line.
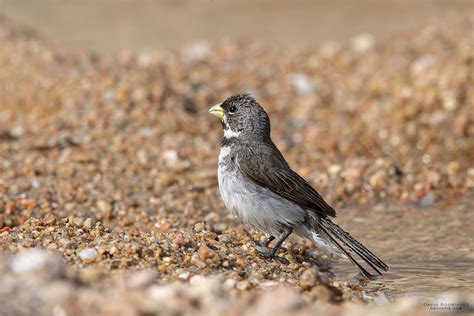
point(108, 25)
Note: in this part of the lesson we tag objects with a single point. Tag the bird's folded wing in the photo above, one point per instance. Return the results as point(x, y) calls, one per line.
point(271, 171)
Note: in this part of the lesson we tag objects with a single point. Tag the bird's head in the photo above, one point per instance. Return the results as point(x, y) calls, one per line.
point(242, 115)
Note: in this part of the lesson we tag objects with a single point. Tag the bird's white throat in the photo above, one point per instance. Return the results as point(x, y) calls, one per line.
point(228, 133)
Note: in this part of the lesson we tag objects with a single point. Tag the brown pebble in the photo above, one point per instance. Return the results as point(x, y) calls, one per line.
point(308, 279)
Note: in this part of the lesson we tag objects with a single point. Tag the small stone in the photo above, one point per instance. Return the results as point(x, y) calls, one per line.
point(225, 238)
point(89, 275)
point(363, 43)
point(197, 279)
point(104, 206)
point(334, 170)
point(170, 157)
point(162, 226)
point(269, 284)
point(206, 253)
point(196, 52)
point(378, 180)
point(147, 132)
point(280, 300)
point(184, 276)
point(220, 227)
point(180, 240)
point(113, 250)
point(428, 200)
point(199, 227)
point(142, 156)
point(229, 284)
point(303, 84)
point(308, 279)
point(322, 293)
point(450, 102)
point(49, 219)
point(196, 260)
point(17, 131)
point(88, 223)
point(88, 255)
point(243, 285)
point(37, 261)
point(453, 167)
point(141, 279)
point(77, 221)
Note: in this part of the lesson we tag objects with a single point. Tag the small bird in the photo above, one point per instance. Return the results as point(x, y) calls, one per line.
point(258, 186)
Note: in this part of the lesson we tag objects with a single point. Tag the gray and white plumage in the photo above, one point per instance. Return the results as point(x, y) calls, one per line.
point(258, 186)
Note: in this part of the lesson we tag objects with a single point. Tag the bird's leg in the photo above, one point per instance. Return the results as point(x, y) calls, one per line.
point(266, 242)
point(269, 252)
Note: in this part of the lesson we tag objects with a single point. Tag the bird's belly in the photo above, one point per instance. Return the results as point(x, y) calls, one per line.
point(256, 205)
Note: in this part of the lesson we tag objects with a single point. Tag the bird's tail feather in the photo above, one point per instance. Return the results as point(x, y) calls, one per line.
point(334, 233)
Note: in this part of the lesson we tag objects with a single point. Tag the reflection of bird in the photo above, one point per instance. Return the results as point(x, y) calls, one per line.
point(258, 185)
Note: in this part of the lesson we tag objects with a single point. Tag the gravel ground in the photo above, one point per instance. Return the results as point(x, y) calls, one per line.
point(110, 162)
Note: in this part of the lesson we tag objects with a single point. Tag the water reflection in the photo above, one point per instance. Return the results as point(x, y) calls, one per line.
point(429, 250)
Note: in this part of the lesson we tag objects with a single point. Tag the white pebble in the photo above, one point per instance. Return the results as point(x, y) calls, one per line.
point(197, 51)
point(303, 84)
point(88, 254)
point(363, 43)
point(28, 260)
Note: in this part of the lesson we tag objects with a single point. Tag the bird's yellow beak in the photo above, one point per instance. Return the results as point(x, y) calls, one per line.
point(217, 111)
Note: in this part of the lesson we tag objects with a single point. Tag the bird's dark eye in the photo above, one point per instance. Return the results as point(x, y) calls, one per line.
point(232, 109)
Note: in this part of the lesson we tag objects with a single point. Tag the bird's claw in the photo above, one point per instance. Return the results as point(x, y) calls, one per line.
point(268, 252)
point(263, 251)
point(282, 260)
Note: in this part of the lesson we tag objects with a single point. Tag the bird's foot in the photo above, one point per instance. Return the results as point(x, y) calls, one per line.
point(265, 242)
point(264, 251)
point(268, 252)
point(282, 260)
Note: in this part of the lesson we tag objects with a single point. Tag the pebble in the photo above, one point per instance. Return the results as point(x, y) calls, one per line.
point(88, 223)
point(308, 279)
point(104, 206)
point(197, 261)
point(141, 279)
point(89, 254)
point(184, 275)
point(37, 261)
point(303, 84)
point(243, 285)
point(279, 300)
point(206, 253)
point(196, 52)
point(379, 179)
point(322, 293)
point(428, 200)
point(220, 227)
point(229, 284)
point(162, 226)
point(363, 43)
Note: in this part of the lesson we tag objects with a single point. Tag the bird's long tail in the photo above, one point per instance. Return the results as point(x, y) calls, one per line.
point(335, 235)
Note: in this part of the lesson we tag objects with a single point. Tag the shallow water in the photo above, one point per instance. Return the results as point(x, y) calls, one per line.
point(429, 250)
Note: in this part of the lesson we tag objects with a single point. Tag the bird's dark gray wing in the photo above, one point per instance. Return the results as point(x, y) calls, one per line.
point(268, 168)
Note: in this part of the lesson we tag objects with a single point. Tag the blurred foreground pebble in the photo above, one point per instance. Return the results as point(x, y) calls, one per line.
point(142, 293)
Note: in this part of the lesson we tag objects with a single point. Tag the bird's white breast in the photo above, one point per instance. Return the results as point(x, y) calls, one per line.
point(253, 203)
